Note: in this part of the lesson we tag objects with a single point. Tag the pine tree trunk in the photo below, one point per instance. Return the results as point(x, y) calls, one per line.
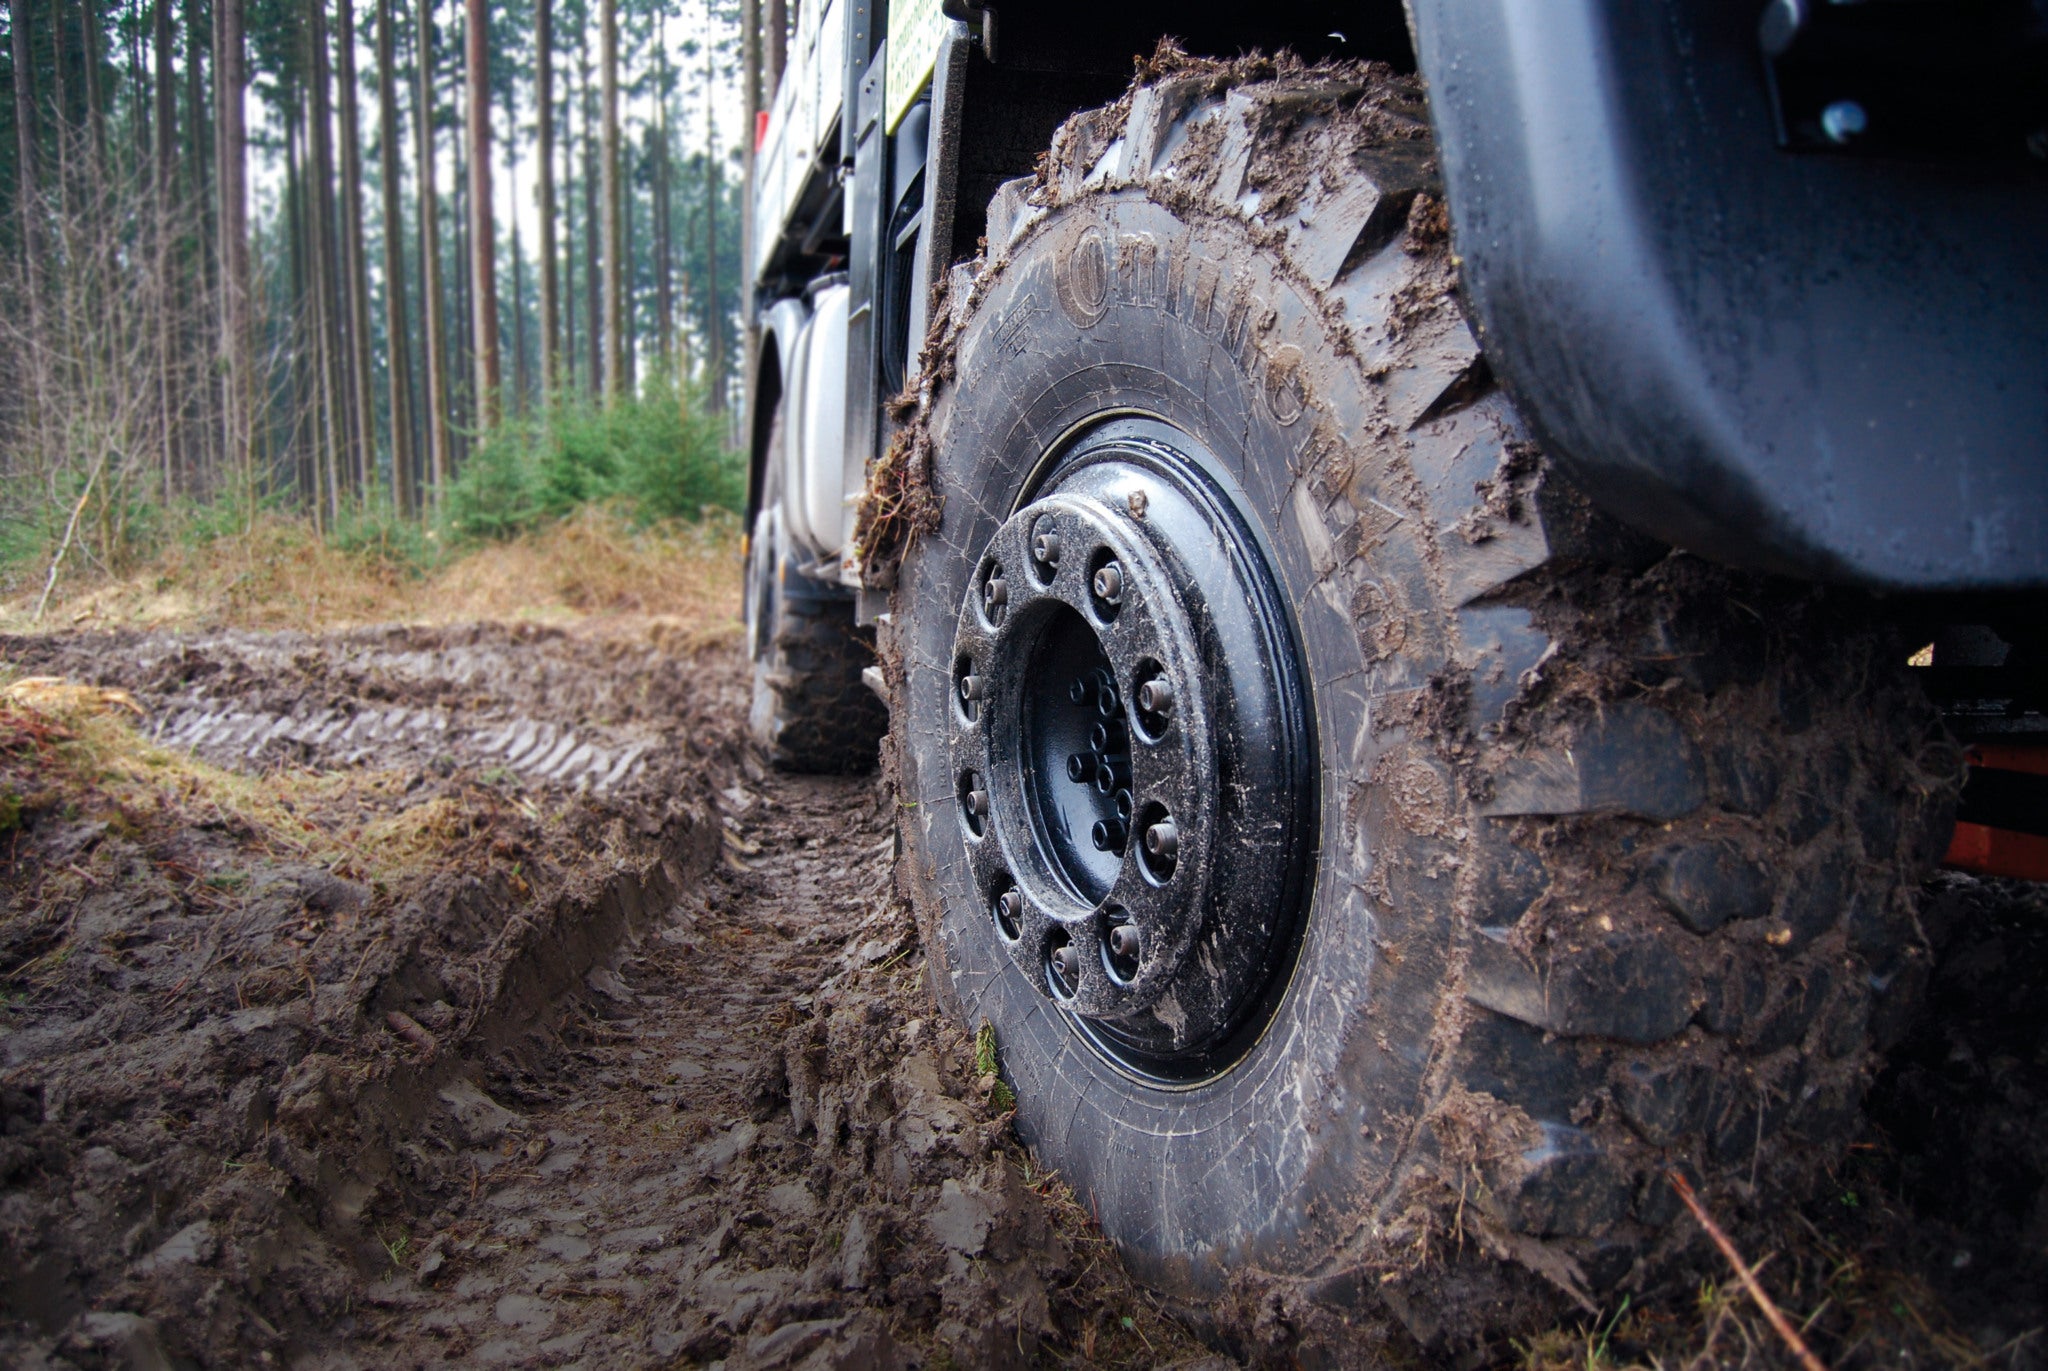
point(482, 245)
point(629, 323)
point(519, 371)
point(664, 241)
point(362, 389)
point(95, 99)
point(25, 187)
point(572, 354)
point(750, 85)
point(238, 393)
point(430, 264)
point(329, 271)
point(397, 329)
point(713, 187)
point(608, 75)
point(199, 157)
point(544, 120)
point(593, 332)
point(166, 199)
point(778, 45)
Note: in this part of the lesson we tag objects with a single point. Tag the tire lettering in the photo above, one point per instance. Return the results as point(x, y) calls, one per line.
point(1082, 276)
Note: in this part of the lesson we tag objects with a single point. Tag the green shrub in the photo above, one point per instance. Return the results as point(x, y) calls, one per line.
point(656, 455)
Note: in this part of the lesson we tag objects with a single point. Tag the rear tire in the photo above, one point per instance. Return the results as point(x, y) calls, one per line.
point(811, 712)
point(1613, 852)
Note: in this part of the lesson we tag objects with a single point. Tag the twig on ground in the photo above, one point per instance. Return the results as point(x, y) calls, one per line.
point(1746, 1274)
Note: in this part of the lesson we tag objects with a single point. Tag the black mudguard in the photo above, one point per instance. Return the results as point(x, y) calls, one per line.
point(1819, 363)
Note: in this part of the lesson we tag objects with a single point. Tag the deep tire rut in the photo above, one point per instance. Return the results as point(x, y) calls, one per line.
point(624, 1203)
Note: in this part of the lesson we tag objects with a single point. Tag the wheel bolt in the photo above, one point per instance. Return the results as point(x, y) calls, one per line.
point(972, 688)
point(1123, 941)
point(977, 803)
point(1108, 835)
point(1080, 767)
point(1155, 696)
point(1009, 909)
point(1162, 839)
point(1109, 583)
point(1112, 772)
point(995, 594)
point(1066, 967)
point(1046, 548)
point(1123, 805)
point(1078, 691)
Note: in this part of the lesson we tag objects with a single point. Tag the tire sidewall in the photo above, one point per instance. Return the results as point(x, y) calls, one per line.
point(1113, 306)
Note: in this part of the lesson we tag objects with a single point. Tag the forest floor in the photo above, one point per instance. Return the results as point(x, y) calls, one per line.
point(466, 993)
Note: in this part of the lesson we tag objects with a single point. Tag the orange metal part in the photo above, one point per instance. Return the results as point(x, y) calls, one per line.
point(1999, 851)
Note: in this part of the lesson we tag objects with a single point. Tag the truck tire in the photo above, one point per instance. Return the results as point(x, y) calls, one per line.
point(810, 711)
point(1393, 872)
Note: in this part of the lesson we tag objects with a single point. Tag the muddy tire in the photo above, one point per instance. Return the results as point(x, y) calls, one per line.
point(1605, 863)
point(810, 710)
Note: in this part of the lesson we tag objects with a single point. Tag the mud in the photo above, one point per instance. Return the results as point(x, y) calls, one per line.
point(558, 1033)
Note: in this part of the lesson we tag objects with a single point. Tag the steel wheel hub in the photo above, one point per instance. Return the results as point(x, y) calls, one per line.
point(1132, 754)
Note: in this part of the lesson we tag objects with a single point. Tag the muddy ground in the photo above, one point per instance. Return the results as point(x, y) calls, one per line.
point(471, 996)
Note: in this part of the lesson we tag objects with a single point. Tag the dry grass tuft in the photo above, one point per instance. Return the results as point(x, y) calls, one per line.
point(76, 748)
point(280, 574)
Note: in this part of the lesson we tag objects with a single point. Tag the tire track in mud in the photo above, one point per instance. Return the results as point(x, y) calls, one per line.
point(639, 1068)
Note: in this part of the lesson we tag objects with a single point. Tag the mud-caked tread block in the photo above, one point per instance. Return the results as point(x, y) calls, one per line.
point(1562, 1183)
point(1665, 1100)
point(826, 720)
point(1633, 759)
point(1707, 884)
point(1626, 986)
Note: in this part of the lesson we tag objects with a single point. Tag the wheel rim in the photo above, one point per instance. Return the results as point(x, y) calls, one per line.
point(1132, 754)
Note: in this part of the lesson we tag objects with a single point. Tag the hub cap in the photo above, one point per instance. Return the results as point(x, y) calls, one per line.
point(1132, 753)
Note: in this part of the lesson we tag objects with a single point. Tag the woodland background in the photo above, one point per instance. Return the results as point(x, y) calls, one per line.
point(255, 264)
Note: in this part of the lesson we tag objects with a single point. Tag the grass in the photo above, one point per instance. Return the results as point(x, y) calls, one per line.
point(630, 509)
point(74, 748)
point(280, 573)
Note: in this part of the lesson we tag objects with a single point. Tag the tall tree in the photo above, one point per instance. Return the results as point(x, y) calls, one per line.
point(430, 261)
point(94, 98)
point(24, 129)
point(397, 328)
point(482, 249)
point(608, 68)
point(664, 203)
point(593, 331)
point(544, 118)
point(166, 194)
point(714, 189)
point(356, 272)
point(778, 45)
point(326, 267)
point(230, 80)
point(519, 371)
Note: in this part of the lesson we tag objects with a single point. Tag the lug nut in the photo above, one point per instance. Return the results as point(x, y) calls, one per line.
point(1080, 767)
point(1109, 583)
point(977, 803)
point(1009, 909)
point(1078, 691)
point(1844, 121)
point(1111, 773)
point(1123, 805)
point(1066, 967)
point(972, 688)
point(1155, 696)
point(1162, 839)
point(1123, 941)
point(995, 594)
point(1046, 548)
point(1108, 835)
